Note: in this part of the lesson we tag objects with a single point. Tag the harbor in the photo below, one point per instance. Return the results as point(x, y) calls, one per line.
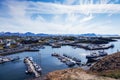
point(44, 59)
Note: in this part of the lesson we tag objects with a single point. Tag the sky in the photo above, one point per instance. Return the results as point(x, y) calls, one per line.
point(60, 16)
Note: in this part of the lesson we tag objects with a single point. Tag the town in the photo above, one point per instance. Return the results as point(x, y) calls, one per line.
point(14, 44)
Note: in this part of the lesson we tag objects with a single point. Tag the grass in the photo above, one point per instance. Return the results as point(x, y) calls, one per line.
point(113, 74)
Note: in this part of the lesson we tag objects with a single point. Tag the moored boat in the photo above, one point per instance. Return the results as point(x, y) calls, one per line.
point(96, 55)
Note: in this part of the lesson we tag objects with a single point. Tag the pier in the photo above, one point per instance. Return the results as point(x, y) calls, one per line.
point(93, 46)
point(17, 50)
point(32, 67)
point(8, 59)
point(67, 59)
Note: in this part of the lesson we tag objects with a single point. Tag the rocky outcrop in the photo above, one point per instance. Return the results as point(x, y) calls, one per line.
point(73, 74)
point(110, 62)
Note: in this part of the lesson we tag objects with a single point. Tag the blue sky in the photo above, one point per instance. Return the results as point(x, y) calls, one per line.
point(60, 16)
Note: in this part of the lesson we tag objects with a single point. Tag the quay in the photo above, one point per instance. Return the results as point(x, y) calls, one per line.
point(17, 50)
point(64, 59)
point(93, 47)
point(32, 67)
point(8, 59)
point(73, 59)
point(67, 60)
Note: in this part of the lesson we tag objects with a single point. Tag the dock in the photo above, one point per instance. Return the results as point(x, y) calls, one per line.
point(67, 60)
point(93, 46)
point(32, 67)
point(8, 59)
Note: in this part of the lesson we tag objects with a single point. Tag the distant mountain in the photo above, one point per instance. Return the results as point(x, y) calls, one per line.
point(29, 34)
point(21, 34)
point(89, 35)
point(42, 34)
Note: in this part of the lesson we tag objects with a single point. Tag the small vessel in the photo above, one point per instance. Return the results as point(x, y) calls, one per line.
point(96, 55)
point(76, 59)
point(37, 67)
point(93, 55)
point(55, 54)
point(102, 53)
point(69, 63)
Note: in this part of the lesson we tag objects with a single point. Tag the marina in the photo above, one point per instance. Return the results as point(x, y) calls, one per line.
point(59, 39)
point(44, 59)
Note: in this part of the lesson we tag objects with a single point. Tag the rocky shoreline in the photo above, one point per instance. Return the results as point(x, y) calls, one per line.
point(108, 66)
point(110, 62)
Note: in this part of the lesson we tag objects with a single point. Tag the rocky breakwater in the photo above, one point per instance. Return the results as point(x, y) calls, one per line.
point(108, 66)
point(73, 74)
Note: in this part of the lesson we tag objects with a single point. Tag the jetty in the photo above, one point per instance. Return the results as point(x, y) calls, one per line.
point(67, 59)
point(32, 67)
point(8, 59)
point(93, 46)
point(17, 50)
point(73, 59)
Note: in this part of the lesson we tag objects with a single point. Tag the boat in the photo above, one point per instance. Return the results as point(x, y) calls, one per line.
point(55, 45)
point(102, 53)
point(91, 60)
point(69, 63)
point(93, 55)
point(55, 54)
point(96, 55)
point(76, 59)
point(37, 67)
point(67, 56)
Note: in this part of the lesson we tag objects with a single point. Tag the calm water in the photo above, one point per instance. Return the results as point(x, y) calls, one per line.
point(16, 70)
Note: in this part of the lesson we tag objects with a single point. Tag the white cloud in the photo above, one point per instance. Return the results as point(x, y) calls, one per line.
point(52, 8)
point(90, 17)
point(66, 18)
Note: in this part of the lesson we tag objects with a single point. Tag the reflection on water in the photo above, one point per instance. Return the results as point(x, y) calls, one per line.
point(16, 70)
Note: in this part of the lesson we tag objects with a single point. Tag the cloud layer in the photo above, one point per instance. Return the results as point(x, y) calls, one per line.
point(68, 16)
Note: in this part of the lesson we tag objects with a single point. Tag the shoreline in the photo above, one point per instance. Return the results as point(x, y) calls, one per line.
point(107, 72)
point(76, 68)
point(16, 50)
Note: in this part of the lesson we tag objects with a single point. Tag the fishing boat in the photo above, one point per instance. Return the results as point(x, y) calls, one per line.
point(55, 54)
point(69, 63)
point(96, 55)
